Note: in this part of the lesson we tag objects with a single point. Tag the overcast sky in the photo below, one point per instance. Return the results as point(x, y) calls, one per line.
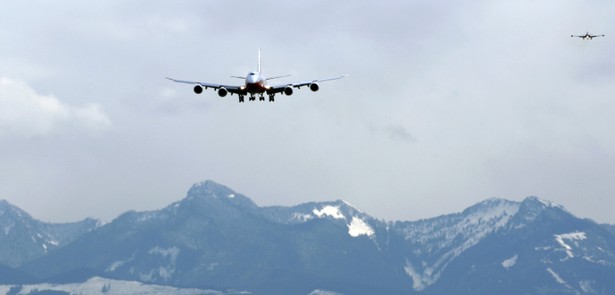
point(447, 103)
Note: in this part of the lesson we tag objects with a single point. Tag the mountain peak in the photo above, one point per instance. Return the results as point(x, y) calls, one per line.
point(536, 205)
point(535, 201)
point(211, 190)
point(208, 187)
point(495, 206)
point(532, 207)
point(13, 211)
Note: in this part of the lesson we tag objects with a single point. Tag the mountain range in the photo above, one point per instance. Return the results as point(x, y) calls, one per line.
point(217, 241)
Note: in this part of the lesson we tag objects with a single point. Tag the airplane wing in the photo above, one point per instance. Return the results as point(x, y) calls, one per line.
point(229, 88)
point(313, 84)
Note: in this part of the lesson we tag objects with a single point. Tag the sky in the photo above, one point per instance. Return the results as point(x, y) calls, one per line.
point(447, 103)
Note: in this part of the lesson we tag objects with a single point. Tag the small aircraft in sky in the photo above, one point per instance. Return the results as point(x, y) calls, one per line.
point(587, 36)
point(255, 84)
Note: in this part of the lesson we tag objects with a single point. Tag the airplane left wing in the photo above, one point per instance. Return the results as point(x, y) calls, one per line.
point(313, 84)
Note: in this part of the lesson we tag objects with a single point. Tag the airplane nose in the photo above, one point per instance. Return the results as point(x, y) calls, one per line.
point(252, 79)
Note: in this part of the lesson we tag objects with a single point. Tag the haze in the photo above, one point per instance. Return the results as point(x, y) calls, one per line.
point(447, 103)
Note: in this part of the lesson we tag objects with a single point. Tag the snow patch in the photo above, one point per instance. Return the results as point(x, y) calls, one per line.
point(7, 228)
point(587, 288)
point(303, 217)
point(579, 235)
point(557, 278)
point(323, 292)
point(573, 237)
point(510, 262)
point(146, 216)
point(114, 266)
point(212, 266)
point(359, 227)
point(550, 204)
point(420, 281)
point(333, 211)
point(500, 214)
point(231, 196)
point(163, 272)
point(117, 264)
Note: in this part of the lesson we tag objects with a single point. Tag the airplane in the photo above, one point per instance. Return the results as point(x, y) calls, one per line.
point(256, 84)
point(587, 36)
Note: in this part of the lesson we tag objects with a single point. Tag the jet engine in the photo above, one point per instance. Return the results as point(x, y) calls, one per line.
point(288, 90)
point(222, 92)
point(314, 87)
point(198, 89)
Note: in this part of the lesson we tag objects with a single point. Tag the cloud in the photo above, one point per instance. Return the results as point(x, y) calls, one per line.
point(400, 133)
point(26, 113)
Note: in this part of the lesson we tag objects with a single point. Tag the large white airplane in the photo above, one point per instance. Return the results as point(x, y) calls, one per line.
point(587, 36)
point(255, 83)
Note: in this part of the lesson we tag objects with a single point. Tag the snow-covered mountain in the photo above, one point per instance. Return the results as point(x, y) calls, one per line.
point(104, 286)
point(218, 239)
point(23, 238)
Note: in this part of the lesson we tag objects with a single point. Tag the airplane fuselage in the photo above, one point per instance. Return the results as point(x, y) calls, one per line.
point(255, 83)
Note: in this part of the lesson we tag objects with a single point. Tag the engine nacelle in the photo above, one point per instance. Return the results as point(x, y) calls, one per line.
point(288, 90)
point(314, 87)
point(222, 92)
point(198, 89)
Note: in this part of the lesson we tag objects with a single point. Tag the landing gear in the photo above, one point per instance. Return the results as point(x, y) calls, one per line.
point(271, 97)
point(261, 98)
point(252, 98)
point(241, 98)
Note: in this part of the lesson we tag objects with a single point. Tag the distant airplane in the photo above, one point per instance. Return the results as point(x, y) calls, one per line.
point(255, 83)
point(587, 36)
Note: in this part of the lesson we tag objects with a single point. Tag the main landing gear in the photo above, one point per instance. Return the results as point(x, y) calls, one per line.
point(260, 98)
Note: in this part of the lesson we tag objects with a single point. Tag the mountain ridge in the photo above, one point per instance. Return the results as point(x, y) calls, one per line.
point(218, 239)
point(34, 238)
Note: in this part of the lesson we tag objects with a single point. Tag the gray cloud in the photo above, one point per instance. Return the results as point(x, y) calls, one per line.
point(25, 113)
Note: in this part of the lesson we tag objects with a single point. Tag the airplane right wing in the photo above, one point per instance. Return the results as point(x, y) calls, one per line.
point(198, 88)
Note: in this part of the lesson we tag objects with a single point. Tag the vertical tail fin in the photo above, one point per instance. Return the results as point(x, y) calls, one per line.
point(258, 68)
